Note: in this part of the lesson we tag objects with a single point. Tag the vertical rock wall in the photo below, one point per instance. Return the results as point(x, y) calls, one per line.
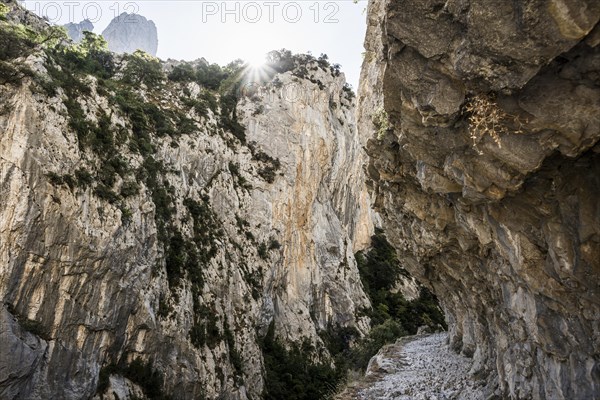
point(83, 279)
point(482, 124)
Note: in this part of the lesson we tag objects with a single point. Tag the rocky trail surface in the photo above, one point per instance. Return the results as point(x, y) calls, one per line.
point(420, 367)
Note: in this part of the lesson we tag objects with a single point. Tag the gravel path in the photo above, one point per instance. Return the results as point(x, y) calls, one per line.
point(418, 368)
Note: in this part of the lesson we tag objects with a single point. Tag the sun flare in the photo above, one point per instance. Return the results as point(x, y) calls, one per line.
point(256, 61)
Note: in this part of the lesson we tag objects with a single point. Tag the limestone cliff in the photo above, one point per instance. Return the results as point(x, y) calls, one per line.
point(127, 33)
point(152, 229)
point(483, 125)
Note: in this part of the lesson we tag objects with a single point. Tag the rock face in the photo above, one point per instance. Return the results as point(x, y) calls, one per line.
point(75, 31)
point(483, 130)
point(130, 32)
point(89, 278)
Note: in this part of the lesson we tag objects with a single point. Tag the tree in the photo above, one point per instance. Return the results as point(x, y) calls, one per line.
point(281, 60)
point(93, 43)
point(210, 75)
point(323, 61)
point(143, 68)
point(53, 35)
point(94, 57)
point(182, 73)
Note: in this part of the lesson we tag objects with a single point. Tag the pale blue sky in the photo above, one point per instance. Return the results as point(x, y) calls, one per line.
point(192, 29)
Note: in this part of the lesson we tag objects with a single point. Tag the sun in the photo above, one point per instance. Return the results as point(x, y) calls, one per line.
point(256, 61)
point(257, 69)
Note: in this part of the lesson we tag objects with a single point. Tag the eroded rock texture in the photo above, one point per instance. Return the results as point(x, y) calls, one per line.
point(484, 122)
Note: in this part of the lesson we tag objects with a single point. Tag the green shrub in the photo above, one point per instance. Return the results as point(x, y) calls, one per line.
point(129, 188)
point(110, 168)
point(90, 57)
point(381, 121)
point(263, 252)
point(292, 375)
point(96, 59)
point(238, 178)
point(151, 172)
point(281, 60)
point(126, 214)
point(185, 257)
point(13, 74)
point(274, 245)
point(379, 271)
point(269, 165)
point(83, 177)
point(3, 11)
point(105, 193)
point(78, 122)
point(211, 75)
point(185, 126)
point(15, 41)
point(205, 330)
point(69, 180)
point(137, 371)
point(138, 113)
point(254, 280)
point(234, 356)
point(323, 62)
point(104, 378)
point(347, 88)
point(35, 327)
point(210, 100)
point(360, 355)
point(228, 120)
point(54, 178)
point(182, 73)
point(392, 316)
point(101, 137)
point(175, 257)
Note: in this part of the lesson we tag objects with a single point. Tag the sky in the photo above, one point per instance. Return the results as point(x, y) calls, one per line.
point(222, 31)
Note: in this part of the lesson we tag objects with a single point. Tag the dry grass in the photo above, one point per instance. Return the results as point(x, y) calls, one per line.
point(356, 382)
point(486, 118)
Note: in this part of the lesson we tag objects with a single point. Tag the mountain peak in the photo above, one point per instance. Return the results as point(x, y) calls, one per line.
point(127, 33)
point(75, 31)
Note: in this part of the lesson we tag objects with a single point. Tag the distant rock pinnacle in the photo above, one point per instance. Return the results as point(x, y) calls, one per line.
point(75, 31)
point(130, 32)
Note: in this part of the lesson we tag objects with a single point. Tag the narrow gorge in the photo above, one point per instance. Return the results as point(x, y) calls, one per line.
point(184, 230)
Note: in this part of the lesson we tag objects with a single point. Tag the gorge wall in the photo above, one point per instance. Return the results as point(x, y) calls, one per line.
point(155, 227)
point(483, 127)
